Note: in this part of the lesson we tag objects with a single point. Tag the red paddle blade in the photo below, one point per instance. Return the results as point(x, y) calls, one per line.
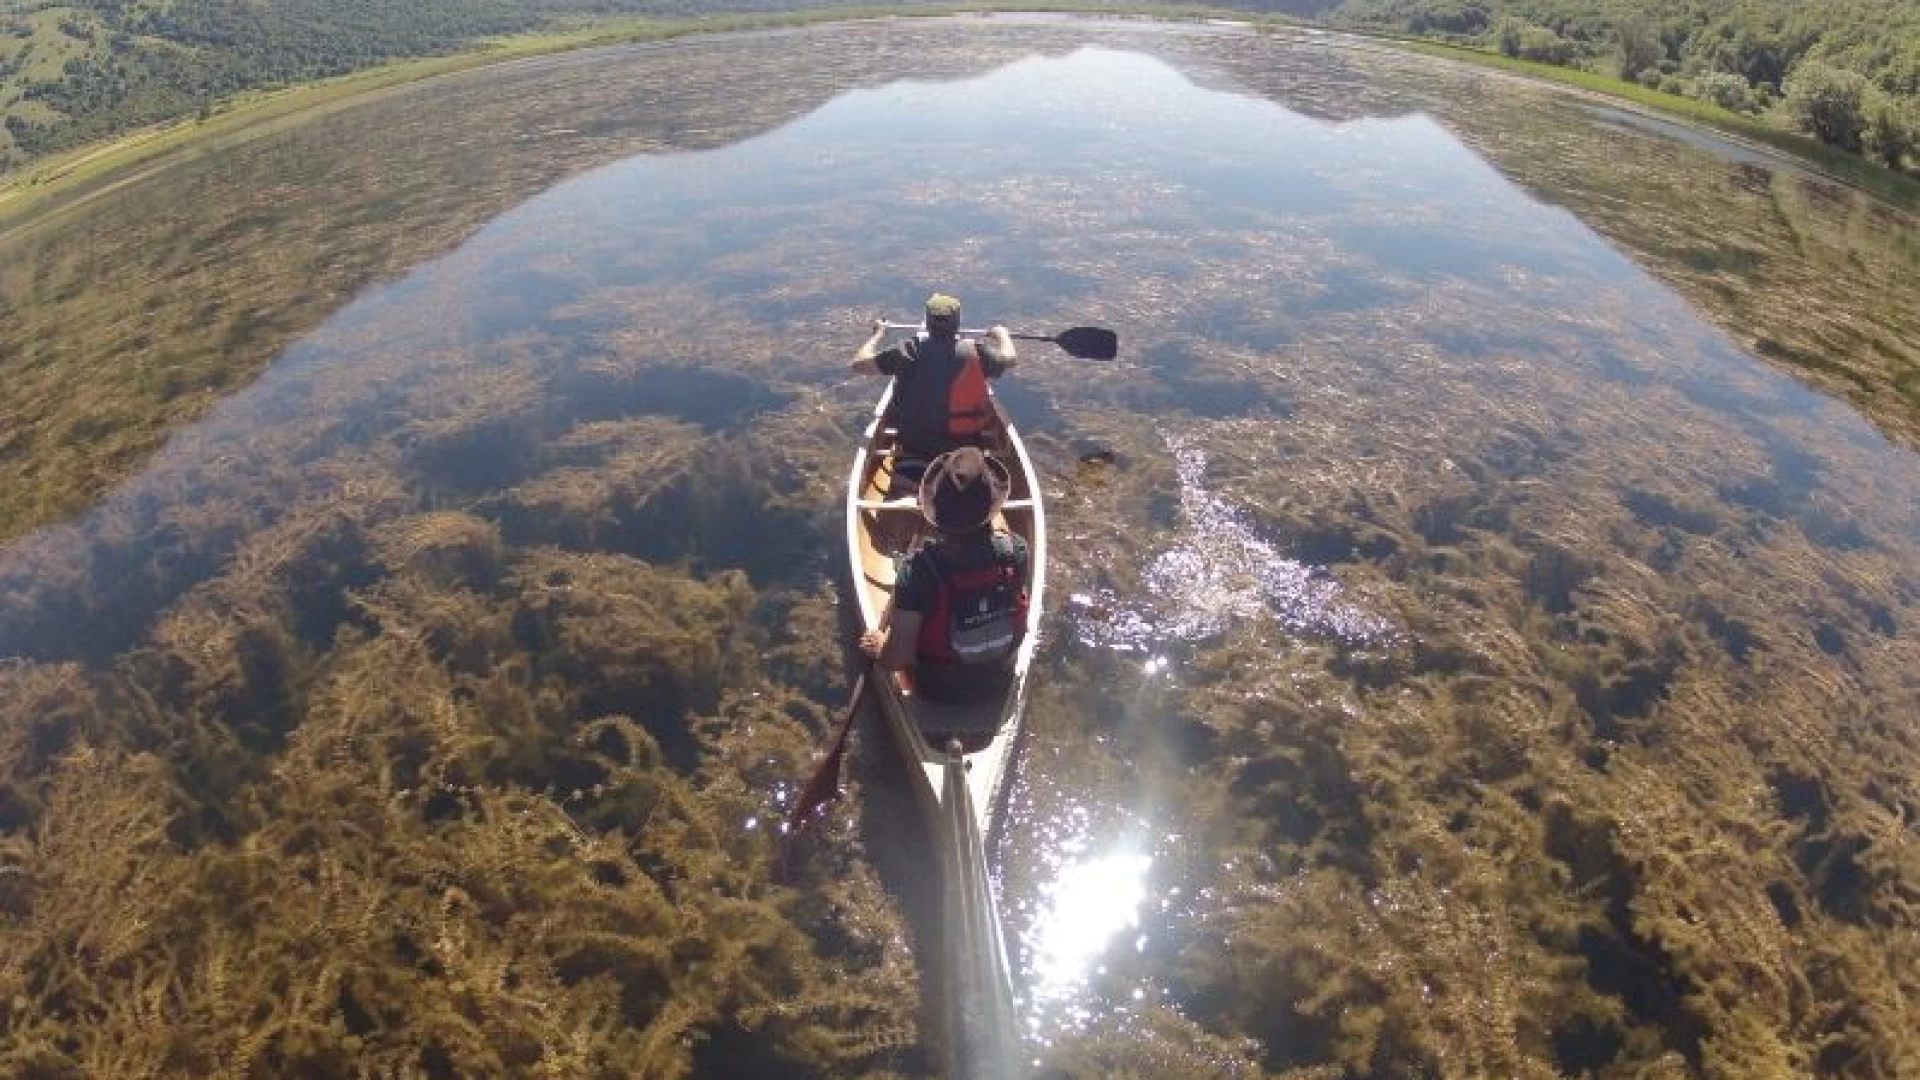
point(821, 790)
point(824, 786)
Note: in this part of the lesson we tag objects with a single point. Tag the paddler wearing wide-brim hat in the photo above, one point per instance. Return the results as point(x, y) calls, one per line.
point(962, 490)
point(959, 604)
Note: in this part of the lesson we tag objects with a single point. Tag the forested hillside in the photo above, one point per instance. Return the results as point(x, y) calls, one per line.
point(1845, 71)
point(75, 71)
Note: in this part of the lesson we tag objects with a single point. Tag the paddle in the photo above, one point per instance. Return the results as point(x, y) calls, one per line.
point(1083, 342)
point(824, 786)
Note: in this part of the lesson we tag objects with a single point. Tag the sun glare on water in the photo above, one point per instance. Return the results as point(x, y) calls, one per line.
point(1083, 910)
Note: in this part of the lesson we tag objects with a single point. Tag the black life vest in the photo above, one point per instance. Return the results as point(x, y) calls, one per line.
point(941, 400)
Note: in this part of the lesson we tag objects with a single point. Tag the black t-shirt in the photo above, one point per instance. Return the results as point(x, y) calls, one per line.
point(900, 357)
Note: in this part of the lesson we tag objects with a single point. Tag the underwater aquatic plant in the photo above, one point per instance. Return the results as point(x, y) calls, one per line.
point(425, 712)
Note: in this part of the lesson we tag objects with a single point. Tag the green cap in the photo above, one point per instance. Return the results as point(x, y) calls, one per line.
point(942, 306)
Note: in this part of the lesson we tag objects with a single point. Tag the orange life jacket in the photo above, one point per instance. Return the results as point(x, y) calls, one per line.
point(967, 408)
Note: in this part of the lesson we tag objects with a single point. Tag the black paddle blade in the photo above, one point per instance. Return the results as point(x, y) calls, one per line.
point(1090, 342)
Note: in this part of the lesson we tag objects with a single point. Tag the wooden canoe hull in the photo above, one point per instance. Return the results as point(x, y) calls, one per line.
point(959, 760)
point(924, 730)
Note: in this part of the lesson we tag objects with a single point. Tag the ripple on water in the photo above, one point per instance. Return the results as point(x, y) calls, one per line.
point(1217, 571)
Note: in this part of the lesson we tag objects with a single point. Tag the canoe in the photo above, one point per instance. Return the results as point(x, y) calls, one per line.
point(876, 529)
point(958, 759)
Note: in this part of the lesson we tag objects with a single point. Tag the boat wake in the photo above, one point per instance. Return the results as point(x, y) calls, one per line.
point(1219, 571)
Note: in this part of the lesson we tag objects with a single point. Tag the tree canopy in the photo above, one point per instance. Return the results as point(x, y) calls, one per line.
point(1846, 72)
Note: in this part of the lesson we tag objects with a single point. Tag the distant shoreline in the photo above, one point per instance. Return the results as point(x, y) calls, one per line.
point(68, 178)
point(43, 189)
point(1832, 163)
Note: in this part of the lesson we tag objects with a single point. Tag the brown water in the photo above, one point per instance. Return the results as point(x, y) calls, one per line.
point(1473, 659)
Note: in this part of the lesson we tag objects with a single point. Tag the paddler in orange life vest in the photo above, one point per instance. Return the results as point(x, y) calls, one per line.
point(939, 387)
point(960, 603)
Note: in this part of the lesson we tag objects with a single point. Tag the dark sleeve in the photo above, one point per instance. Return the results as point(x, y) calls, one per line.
point(913, 589)
point(893, 361)
point(992, 364)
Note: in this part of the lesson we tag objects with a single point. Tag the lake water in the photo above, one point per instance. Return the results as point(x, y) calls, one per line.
point(1475, 651)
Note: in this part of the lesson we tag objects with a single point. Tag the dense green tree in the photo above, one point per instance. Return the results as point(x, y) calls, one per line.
point(1725, 89)
point(1507, 33)
point(1640, 47)
point(1893, 128)
point(1543, 45)
point(1856, 62)
point(1829, 103)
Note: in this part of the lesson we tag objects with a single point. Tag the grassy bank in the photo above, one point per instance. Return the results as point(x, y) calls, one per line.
point(45, 183)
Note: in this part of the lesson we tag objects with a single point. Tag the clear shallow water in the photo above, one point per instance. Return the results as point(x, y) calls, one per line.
point(1439, 541)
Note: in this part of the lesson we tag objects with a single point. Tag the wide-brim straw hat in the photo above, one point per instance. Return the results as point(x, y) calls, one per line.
point(963, 489)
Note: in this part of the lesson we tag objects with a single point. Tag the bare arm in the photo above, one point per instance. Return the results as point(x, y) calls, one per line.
point(892, 646)
point(863, 357)
point(902, 635)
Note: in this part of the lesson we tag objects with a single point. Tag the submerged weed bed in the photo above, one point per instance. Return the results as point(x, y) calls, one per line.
point(426, 706)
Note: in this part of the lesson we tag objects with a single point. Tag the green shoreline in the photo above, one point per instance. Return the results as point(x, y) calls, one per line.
point(69, 178)
point(1837, 165)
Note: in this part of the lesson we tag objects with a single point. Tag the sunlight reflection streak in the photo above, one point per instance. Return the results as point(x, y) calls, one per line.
point(1084, 908)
